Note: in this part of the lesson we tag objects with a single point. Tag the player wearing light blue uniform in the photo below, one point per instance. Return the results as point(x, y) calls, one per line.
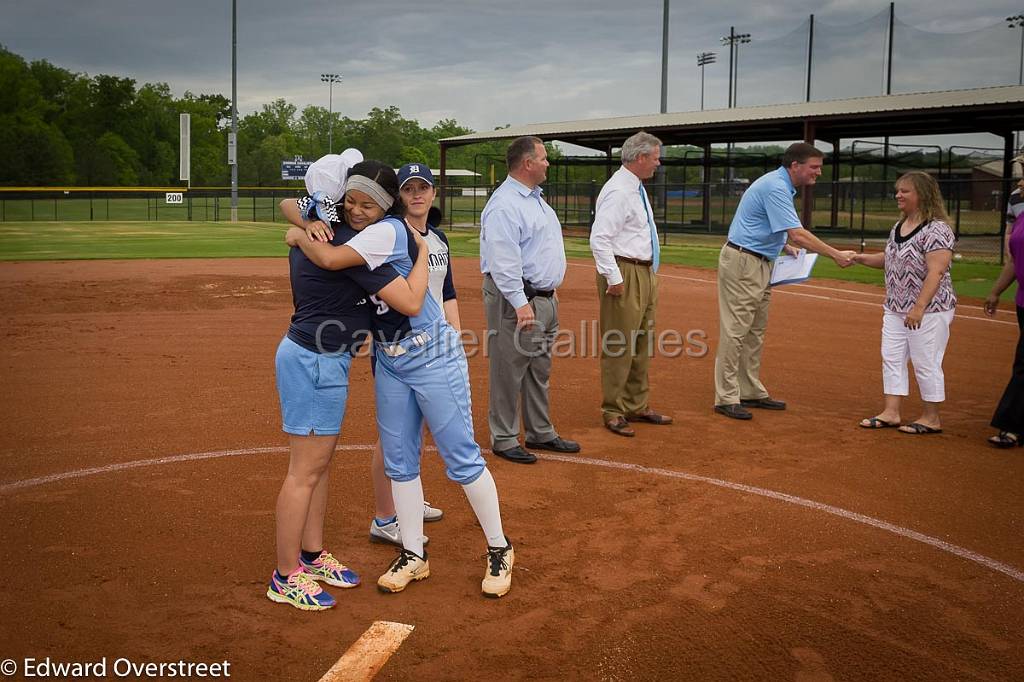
point(332, 318)
point(416, 186)
point(421, 374)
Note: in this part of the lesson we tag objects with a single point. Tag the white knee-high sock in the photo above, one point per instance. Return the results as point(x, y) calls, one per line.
point(409, 509)
point(483, 497)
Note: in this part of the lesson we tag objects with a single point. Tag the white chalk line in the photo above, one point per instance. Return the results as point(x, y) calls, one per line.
point(942, 545)
point(955, 550)
point(820, 297)
point(139, 463)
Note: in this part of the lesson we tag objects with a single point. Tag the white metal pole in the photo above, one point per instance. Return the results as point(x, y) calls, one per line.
point(233, 143)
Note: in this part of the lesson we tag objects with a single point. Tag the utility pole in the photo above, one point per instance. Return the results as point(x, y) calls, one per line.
point(734, 40)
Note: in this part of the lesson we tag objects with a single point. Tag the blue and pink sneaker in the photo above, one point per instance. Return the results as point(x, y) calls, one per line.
point(326, 568)
point(299, 590)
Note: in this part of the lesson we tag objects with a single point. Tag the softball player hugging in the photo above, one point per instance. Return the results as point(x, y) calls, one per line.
point(312, 367)
point(421, 374)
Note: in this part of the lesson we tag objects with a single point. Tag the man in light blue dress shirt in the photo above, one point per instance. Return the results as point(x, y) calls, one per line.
point(522, 258)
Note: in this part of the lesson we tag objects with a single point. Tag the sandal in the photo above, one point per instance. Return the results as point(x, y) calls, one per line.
point(918, 429)
point(876, 423)
point(1006, 439)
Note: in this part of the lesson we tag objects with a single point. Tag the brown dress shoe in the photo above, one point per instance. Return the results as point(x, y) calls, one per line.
point(649, 416)
point(620, 427)
point(734, 411)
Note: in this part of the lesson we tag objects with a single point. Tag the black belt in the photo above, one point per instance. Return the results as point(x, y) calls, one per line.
point(528, 289)
point(635, 261)
point(532, 293)
point(741, 249)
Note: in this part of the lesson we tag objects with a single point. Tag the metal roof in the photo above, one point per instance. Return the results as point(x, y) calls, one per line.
point(996, 109)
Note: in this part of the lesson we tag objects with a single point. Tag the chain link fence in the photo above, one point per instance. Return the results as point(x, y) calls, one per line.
point(157, 204)
point(861, 214)
point(858, 213)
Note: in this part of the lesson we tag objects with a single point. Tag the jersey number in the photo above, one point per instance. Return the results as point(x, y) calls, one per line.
point(382, 307)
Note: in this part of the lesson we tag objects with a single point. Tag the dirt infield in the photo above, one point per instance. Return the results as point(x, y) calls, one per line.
point(648, 572)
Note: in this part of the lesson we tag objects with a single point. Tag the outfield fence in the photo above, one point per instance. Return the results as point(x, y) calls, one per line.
point(257, 204)
point(862, 213)
point(858, 212)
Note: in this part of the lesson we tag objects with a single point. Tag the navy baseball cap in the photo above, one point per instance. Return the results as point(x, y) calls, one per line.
point(415, 170)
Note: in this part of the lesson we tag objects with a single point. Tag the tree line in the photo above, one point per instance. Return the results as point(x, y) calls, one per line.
point(58, 128)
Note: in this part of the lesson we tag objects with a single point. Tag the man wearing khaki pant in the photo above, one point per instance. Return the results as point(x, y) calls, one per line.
point(624, 241)
point(765, 219)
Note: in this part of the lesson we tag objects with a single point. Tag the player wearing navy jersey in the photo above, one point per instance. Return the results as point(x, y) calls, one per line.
point(421, 374)
point(416, 185)
point(331, 319)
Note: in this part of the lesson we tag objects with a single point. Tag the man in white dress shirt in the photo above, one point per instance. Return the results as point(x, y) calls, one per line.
point(624, 241)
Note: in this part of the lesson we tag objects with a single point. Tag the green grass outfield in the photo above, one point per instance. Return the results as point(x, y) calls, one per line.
point(33, 241)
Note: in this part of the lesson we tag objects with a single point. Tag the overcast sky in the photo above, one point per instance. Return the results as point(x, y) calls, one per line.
point(487, 63)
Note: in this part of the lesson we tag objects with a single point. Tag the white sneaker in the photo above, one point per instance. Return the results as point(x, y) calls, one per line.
point(389, 533)
point(406, 568)
point(498, 577)
point(431, 514)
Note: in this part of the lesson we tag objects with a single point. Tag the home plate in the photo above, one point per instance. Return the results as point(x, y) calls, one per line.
point(369, 653)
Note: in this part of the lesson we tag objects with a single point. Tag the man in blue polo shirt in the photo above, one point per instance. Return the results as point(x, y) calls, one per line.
point(765, 220)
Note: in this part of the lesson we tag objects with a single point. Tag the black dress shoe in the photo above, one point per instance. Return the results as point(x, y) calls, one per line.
point(733, 411)
point(764, 404)
point(556, 445)
point(517, 455)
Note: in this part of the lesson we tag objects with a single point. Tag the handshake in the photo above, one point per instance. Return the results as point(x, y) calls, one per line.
point(845, 259)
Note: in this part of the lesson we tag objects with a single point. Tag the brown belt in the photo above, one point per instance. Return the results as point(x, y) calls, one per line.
point(634, 261)
point(741, 249)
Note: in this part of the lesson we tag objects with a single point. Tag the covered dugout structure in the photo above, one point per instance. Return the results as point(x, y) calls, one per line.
point(998, 110)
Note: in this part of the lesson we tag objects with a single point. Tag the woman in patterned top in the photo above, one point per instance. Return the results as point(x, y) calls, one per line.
point(919, 303)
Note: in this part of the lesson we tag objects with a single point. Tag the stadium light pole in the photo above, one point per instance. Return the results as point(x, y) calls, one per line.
point(330, 79)
point(703, 59)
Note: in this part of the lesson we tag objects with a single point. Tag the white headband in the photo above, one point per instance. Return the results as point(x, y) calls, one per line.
point(370, 187)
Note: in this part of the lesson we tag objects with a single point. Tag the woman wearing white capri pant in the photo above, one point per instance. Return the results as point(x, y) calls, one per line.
point(919, 303)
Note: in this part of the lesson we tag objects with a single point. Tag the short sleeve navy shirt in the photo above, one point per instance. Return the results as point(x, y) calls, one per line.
point(333, 313)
